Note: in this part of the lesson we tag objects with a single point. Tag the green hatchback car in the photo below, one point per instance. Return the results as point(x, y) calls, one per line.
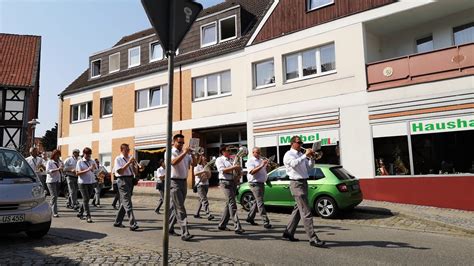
point(331, 188)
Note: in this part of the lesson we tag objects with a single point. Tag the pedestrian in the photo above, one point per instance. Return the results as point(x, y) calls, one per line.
point(71, 178)
point(37, 164)
point(201, 179)
point(181, 161)
point(297, 165)
point(256, 176)
point(125, 168)
point(86, 179)
point(54, 169)
point(159, 178)
point(229, 186)
point(100, 174)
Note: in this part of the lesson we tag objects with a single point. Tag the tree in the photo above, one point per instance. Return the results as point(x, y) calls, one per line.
point(50, 139)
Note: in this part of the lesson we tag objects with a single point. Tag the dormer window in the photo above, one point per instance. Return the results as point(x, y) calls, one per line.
point(114, 62)
point(134, 56)
point(95, 68)
point(228, 29)
point(316, 4)
point(209, 34)
point(156, 52)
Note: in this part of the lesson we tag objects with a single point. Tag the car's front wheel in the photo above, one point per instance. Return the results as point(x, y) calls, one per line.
point(39, 233)
point(247, 200)
point(326, 207)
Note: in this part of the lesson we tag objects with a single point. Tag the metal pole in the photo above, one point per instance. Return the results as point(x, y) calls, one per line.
point(169, 137)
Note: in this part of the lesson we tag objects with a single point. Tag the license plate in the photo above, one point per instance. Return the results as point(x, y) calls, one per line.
point(12, 219)
point(355, 187)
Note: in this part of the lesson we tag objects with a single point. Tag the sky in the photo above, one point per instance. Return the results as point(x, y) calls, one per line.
point(71, 31)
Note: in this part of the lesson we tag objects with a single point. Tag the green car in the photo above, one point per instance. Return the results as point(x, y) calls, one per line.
point(331, 188)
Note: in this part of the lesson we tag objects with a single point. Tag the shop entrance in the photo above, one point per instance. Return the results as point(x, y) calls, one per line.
point(152, 154)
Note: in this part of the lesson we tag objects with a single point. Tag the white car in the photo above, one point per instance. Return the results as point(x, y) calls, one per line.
point(23, 206)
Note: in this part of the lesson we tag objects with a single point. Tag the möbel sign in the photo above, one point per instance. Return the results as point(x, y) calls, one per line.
point(327, 138)
point(442, 125)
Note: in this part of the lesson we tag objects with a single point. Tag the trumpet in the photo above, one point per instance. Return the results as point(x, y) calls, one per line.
point(316, 155)
point(197, 152)
point(271, 163)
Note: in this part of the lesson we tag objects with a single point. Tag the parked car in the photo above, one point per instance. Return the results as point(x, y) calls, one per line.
point(23, 205)
point(331, 188)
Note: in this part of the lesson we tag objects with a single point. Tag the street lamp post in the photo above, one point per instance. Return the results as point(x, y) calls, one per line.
point(33, 124)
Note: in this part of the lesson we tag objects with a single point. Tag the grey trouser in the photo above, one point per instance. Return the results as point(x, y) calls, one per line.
point(162, 196)
point(54, 192)
point(73, 188)
point(258, 190)
point(178, 190)
point(97, 189)
point(117, 194)
point(299, 190)
point(125, 184)
point(85, 190)
point(230, 209)
point(203, 202)
point(43, 182)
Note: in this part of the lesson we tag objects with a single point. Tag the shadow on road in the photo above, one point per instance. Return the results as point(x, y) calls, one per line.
point(379, 244)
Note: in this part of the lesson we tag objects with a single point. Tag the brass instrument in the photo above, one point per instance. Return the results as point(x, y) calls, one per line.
point(207, 167)
point(242, 152)
point(317, 152)
point(272, 165)
point(40, 168)
point(197, 152)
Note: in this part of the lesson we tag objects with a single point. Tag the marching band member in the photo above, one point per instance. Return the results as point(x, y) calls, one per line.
point(257, 175)
point(85, 171)
point(201, 179)
point(160, 186)
point(71, 178)
point(54, 168)
point(297, 166)
point(38, 165)
point(125, 167)
point(228, 185)
point(181, 160)
point(100, 174)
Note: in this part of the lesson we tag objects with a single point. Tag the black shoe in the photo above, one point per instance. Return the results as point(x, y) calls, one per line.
point(89, 220)
point(210, 217)
point(186, 237)
point(267, 226)
point(173, 233)
point(120, 225)
point(317, 243)
point(80, 216)
point(252, 222)
point(157, 211)
point(239, 231)
point(134, 227)
point(289, 237)
point(197, 216)
point(69, 206)
point(115, 207)
point(76, 208)
point(223, 228)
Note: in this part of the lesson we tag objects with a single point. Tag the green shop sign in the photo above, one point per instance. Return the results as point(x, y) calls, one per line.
point(326, 137)
point(442, 125)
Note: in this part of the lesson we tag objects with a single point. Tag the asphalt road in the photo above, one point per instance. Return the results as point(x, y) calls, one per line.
point(346, 243)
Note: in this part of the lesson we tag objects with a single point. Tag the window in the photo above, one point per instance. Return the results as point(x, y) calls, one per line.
point(81, 112)
point(443, 153)
point(227, 28)
point(316, 174)
point(279, 174)
point(464, 34)
point(315, 4)
point(134, 56)
point(153, 97)
point(95, 68)
point(156, 52)
point(391, 156)
point(264, 73)
point(305, 63)
point(114, 62)
point(208, 34)
point(106, 107)
point(105, 159)
point(424, 44)
point(212, 85)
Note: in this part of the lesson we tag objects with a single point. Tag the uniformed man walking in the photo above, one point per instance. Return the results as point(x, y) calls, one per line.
point(181, 161)
point(71, 178)
point(297, 166)
point(257, 175)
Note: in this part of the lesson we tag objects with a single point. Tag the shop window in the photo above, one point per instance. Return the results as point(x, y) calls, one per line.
point(230, 136)
point(443, 153)
point(391, 156)
point(213, 137)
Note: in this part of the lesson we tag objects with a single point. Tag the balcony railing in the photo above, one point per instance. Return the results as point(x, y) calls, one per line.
point(436, 65)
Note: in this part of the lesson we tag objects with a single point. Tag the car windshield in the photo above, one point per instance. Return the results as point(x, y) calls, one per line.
point(13, 165)
point(341, 173)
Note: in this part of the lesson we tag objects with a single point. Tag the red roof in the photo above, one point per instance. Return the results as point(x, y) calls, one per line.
point(19, 60)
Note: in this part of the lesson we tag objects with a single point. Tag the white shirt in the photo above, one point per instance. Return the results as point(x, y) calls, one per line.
point(258, 177)
point(120, 161)
point(197, 169)
point(89, 176)
point(70, 165)
point(34, 162)
point(53, 177)
point(222, 163)
point(180, 170)
point(159, 172)
point(297, 164)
